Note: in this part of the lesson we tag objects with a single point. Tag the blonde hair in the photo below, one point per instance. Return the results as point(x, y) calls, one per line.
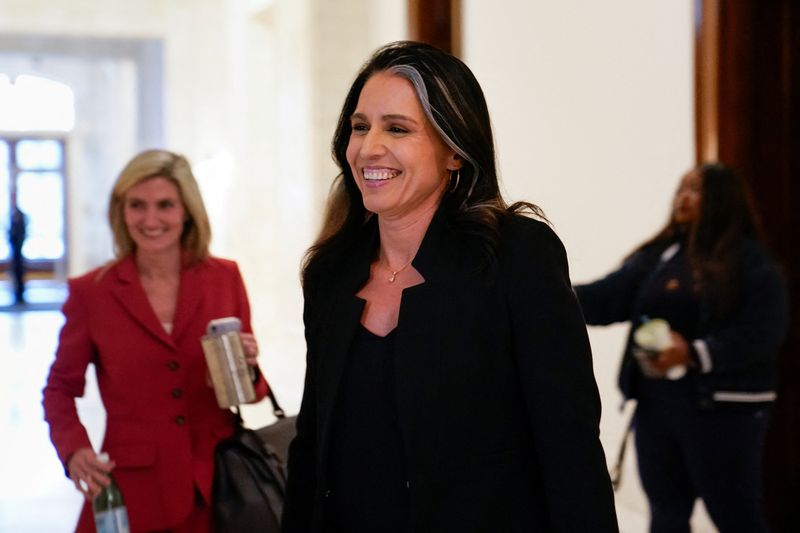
point(149, 164)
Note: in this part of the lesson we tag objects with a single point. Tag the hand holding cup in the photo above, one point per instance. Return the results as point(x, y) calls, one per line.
point(660, 351)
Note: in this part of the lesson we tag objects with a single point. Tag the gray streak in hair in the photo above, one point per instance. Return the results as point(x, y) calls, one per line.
point(415, 78)
point(412, 75)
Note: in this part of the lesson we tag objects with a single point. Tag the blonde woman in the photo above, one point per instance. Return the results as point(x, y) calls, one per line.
point(139, 321)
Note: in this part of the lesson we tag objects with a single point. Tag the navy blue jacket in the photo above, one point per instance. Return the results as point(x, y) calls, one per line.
point(735, 355)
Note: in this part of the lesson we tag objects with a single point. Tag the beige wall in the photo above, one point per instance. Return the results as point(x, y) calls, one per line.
point(252, 92)
point(592, 107)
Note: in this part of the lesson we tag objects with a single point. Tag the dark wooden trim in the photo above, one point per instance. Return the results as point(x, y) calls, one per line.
point(754, 113)
point(437, 22)
point(706, 80)
point(455, 27)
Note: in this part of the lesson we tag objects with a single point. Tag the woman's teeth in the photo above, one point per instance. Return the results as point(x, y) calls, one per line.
point(378, 175)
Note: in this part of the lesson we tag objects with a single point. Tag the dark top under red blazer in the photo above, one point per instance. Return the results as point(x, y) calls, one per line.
point(163, 420)
point(497, 404)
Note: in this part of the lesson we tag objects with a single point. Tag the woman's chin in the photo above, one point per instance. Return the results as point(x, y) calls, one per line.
point(683, 218)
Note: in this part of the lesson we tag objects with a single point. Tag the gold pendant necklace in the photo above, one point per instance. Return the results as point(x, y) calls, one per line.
point(395, 272)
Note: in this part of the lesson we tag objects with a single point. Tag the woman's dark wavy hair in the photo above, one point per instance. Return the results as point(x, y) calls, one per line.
point(726, 218)
point(453, 102)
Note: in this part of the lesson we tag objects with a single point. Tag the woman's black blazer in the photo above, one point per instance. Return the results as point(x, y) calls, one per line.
point(496, 398)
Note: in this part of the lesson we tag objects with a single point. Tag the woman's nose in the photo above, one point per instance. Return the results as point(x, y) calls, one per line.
point(372, 145)
point(150, 216)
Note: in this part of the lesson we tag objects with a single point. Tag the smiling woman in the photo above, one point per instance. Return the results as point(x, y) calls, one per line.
point(139, 320)
point(154, 216)
point(449, 383)
point(399, 161)
point(159, 181)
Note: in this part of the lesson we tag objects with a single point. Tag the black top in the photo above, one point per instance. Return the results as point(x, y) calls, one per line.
point(669, 294)
point(367, 473)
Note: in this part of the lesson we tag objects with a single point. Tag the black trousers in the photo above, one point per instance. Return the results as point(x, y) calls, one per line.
point(685, 453)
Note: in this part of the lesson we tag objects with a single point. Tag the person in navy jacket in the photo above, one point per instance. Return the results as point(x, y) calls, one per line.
point(449, 383)
point(701, 433)
point(139, 320)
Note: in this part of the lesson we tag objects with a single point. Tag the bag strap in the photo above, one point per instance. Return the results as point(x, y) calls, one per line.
point(616, 470)
point(276, 408)
point(238, 416)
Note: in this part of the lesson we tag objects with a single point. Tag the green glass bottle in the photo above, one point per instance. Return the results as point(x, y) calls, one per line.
point(110, 513)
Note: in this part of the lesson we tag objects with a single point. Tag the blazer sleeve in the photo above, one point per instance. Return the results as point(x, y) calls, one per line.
point(66, 379)
point(757, 325)
point(555, 362)
point(611, 299)
point(301, 484)
point(243, 304)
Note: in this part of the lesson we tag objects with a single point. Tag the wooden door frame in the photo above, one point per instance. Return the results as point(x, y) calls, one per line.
point(437, 22)
point(747, 88)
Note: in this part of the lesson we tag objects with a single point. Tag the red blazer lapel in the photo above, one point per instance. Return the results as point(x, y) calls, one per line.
point(190, 298)
point(129, 293)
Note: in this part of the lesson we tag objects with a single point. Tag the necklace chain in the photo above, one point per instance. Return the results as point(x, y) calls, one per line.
point(395, 272)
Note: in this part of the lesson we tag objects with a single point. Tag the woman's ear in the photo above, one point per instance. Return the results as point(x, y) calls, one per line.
point(455, 162)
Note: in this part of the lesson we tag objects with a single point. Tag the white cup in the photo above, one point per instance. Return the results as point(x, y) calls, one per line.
point(652, 337)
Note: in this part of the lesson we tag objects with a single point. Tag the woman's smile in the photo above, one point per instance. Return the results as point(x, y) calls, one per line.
point(154, 215)
point(399, 162)
point(378, 176)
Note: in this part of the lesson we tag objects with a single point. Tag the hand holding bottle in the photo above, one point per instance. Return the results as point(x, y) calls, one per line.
point(88, 473)
point(110, 512)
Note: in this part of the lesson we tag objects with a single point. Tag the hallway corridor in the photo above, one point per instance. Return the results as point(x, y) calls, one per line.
point(35, 496)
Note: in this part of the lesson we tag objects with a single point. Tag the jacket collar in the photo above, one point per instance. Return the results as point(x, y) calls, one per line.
point(432, 260)
point(129, 292)
point(422, 315)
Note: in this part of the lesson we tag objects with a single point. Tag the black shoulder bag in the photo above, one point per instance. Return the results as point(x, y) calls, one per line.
point(250, 475)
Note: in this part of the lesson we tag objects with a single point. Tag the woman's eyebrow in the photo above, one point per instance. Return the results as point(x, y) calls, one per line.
point(389, 117)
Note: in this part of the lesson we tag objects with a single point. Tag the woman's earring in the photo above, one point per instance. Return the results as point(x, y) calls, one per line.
point(454, 186)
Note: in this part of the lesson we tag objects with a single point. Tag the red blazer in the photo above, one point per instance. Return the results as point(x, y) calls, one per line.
point(163, 420)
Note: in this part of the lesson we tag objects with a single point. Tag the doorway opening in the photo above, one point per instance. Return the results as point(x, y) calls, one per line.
point(37, 115)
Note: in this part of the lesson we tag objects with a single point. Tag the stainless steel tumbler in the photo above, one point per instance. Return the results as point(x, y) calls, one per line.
point(229, 373)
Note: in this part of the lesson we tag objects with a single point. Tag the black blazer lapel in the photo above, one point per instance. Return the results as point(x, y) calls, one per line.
point(417, 367)
point(339, 322)
point(421, 330)
point(339, 330)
